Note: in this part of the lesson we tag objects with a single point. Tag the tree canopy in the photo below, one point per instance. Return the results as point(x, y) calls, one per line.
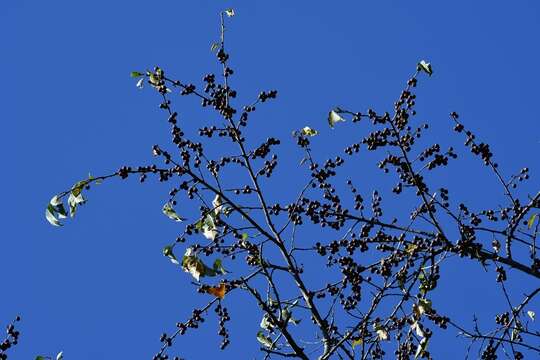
point(344, 246)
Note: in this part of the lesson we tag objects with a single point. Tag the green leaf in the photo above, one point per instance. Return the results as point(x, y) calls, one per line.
point(57, 208)
point(61, 211)
point(266, 323)
point(286, 316)
point(245, 236)
point(218, 267)
point(265, 340)
point(49, 215)
point(154, 79)
point(169, 211)
point(209, 227)
point(426, 67)
point(271, 302)
point(136, 74)
point(74, 201)
point(227, 210)
point(168, 252)
point(78, 187)
point(55, 201)
point(424, 305)
point(55, 211)
point(193, 265)
point(333, 118)
point(424, 283)
point(530, 223)
point(230, 12)
point(307, 131)
point(286, 313)
point(217, 203)
point(39, 357)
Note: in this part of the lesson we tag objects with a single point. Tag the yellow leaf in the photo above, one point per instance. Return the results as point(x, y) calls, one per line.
point(530, 223)
point(357, 342)
point(411, 248)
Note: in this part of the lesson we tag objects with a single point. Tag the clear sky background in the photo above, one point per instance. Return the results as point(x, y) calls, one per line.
point(99, 288)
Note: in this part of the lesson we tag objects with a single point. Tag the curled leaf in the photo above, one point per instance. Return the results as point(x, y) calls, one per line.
point(55, 201)
point(193, 265)
point(230, 12)
point(286, 317)
point(417, 327)
point(60, 355)
point(217, 204)
point(169, 211)
point(74, 201)
point(78, 187)
point(266, 323)
point(307, 131)
point(55, 210)
point(209, 227)
point(155, 77)
point(49, 215)
point(265, 340)
point(424, 305)
point(531, 314)
point(333, 118)
point(426, 67)
point(422, 346)
point(140, 83)
point(168, 252)
point(530, 223)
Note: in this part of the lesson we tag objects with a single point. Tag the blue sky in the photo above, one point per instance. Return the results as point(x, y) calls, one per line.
point(99, 287)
